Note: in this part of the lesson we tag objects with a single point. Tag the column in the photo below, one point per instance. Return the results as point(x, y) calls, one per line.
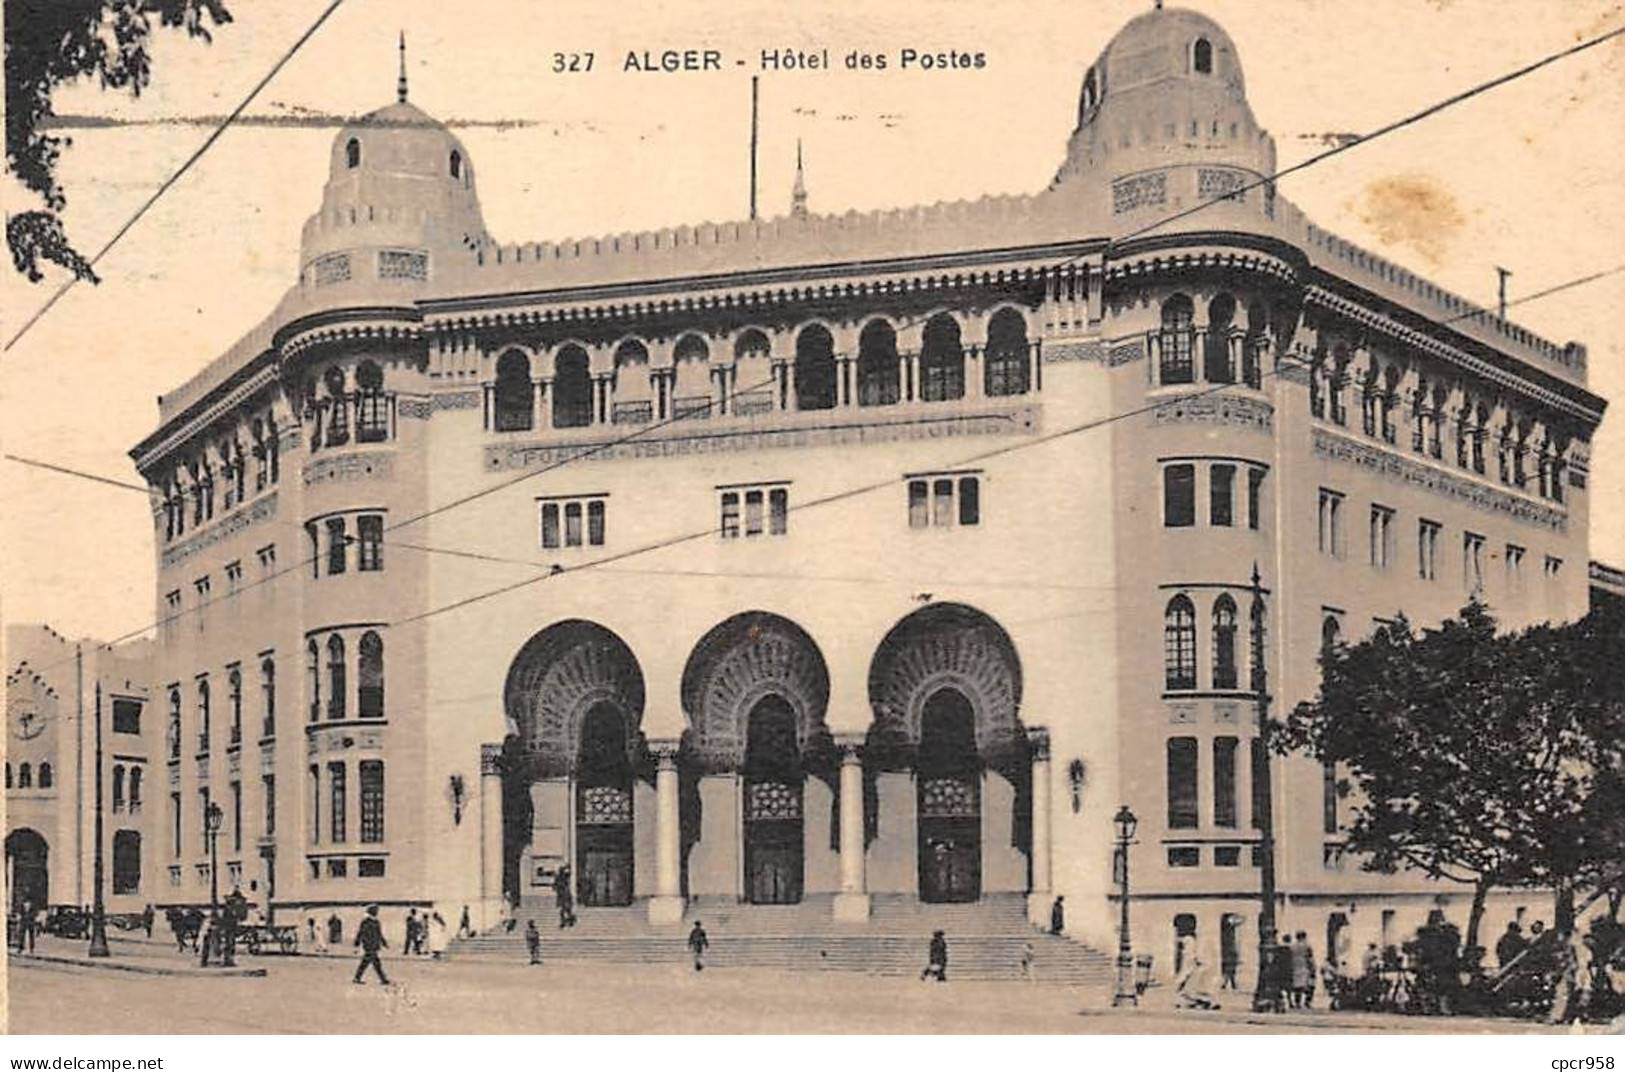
point(490, 835)
point(538, 407)
point(852, 903)
point(544, 403)
point(1038, 900)
point(975, 374)
point(666, 906)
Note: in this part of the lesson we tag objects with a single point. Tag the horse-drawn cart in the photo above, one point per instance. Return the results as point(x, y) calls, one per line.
point(260, 938)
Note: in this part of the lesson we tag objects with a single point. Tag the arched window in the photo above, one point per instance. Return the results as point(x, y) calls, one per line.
point(1179, 643)
point(268, 697)
point(942, 360)
point(203, 713)
point(815, 369)
point(335, 677)
point(456, 164)
point(135, 789)
point(572, 389)
point(234, 690)
point(118, 785)
point(1331, 635)
point(371, 408)
point(1221, 313)
point(8, 774)
point(174, 730)
point(313, 679)
point(513, 393)
point(752, 342)
point(45, 778)
point(25, 776)
point(1224, 643)
point(878, 383)
point(1177, 341)
point(1202, 56)
point(127, 862)
point(690, 347)
point(1256, 346)
point(1007, 354)
point(1091, 90)
point(338, 402)
point(370, 672)
point(352, 153)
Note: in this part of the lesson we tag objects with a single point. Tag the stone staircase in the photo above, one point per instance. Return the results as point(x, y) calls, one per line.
point(985, 939)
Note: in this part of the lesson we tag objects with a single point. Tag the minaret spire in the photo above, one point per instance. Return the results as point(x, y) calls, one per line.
point(798, 192)
point(400, 85)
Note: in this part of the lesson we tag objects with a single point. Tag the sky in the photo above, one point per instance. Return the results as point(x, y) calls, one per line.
point(1526, 176)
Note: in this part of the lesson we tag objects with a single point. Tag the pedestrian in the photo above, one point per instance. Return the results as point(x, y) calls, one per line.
point(1303, 972)
point(318, 944)
point(1057, 916)
point(936, 959)
point(564, 894)
point(236, 911)
point(211, 939)
point(29, 927)
point(533, 941)
point(369, 937)
point(1229, 964)
point(1196, 989)
point(1511, 946)
point(698, 943)
point(438, 934)
point(1027, 956)
point(411, 945)
point(146, 920)
point(335, 930)
point(1184, 959)
point(464, 928)
point(194, 926)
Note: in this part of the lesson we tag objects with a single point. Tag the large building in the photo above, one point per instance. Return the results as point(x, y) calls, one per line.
point(834, 557)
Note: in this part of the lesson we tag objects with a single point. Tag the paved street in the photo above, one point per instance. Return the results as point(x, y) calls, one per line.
point(315, 995)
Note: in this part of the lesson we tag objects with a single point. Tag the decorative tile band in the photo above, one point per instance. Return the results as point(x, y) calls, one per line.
point(1397, 467)
point(260, 509)
point(1217, 409)
point(1072, 350)
point(455, 400)
point(340, 468)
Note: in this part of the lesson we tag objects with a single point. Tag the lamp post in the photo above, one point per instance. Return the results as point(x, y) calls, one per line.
point(98, 912)
point(1264, 996)
point(212, 818)
point(1126, 993)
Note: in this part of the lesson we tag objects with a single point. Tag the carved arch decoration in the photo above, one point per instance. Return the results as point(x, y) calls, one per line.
point(561, 674)
point(948, 645)
point(736, 665)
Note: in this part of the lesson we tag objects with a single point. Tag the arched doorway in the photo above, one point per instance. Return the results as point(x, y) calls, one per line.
point(604, 810)
point(950, 800)
point(28, 868)
point(773, 804)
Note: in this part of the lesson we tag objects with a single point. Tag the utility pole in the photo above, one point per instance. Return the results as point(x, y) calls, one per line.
point(1501, 303)
point(1264, 803)
point(98, 911)
point(755, 81)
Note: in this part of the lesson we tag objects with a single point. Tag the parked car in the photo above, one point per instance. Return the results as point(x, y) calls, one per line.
point(67, 921)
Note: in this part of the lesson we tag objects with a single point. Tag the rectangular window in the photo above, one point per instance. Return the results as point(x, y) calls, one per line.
point(175, 825)
point(315, 780)
point(970, 500)
point(234, 577)
point(1227, 856)
point(1514, 566)
point(236, 816)
point(1553, 568)
point(1221, 495)
point(1328, 798)
point(1472, 561)
point(919, 504)
point(753, 513)
point(1183, 810)
point(942, 502)
point(268, 783)
point(1382, 536)
point(126, 716)
point(371, 772)
point(201, 586)
point(203, 819)
point(338, 868)
point(1179, 496)
point(595, 522)
point(730, 515)
point(1260, 758)
point(550, 525)
point(1185, 856)
point(336, 802)
point(1427, 550)
point(778, 511)
point(336, 545)
point(370, 867)
point(572, 524)
point(1331, 522)
point(932, 501)
point(756, 511)
point(1224, 781)
point(370, 540)
point(1255, 498)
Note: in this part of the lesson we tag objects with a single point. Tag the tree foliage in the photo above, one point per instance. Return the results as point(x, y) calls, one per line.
point(53, 42)
point(1484, 758)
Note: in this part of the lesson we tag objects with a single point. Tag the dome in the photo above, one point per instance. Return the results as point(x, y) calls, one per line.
point(400, 139)
point(1165, 107)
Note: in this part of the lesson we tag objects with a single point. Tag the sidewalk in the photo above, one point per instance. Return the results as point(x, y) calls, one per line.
point(135, 955)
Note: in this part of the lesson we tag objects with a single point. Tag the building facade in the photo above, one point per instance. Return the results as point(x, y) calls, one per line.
point(56, 692)
point(831, 557)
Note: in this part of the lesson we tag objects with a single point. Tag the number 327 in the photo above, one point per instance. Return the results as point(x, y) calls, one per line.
point(571, 62)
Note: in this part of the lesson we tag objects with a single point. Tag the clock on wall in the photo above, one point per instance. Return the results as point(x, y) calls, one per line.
point(26, 721)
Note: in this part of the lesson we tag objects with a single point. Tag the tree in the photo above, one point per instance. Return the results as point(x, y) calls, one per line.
point(52, 42)
point(1479, 758)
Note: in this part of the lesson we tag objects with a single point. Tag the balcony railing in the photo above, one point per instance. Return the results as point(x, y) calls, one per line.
point(635, 412)
point(753, 403)
point(691, 407)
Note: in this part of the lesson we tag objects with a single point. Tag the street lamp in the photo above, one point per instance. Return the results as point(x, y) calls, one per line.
point(213, 817)
point(1126, 993)
point(98, 913)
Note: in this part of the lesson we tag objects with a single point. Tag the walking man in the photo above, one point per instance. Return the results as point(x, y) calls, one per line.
point(565, 895)
point(1229, 964)
point(411, 932)
point(370, 938)
point(533, 941)
point(936, 963)
point(464, 928)
point(1057, 916)
point(698, 943)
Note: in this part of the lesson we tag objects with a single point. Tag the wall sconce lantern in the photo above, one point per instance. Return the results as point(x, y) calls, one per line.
point(457, 791)
point(1075, 776)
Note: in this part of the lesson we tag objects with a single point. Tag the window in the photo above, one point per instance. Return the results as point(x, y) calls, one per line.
point(1202, 56)
point(268, 697)
point(338, 868)
point(1185, 856)
point(562, 523)
point(370, 670)
point(766, 510)
point(1006, 361)
point(174, 723)
point(267, 557)
point(135, 790)
point(456, 164)
point(1224, 781)
point(1224, 643)
point(1177, 341)
point(1514, 566)
point(1182, 801)
point(236, 816)
point(1255, 498)
point(513, 393)
point(352, 153)
point(46, 780)
point(203, 733)
point(1427, 550)
point(335, 677)
point(572, 388)
point(1382, 536)
point(1553, 568)
point(1227, 856)
point(931, 501)
point(315, 779)
point(1331, 522)
point(234, 692)
point(172, 609)
point(814, 369)
point(1221, 495)
point(175, 824)
point(942, 360)
point(126, 862)
point(1179, 643)
point(1328, 798)
point(1472, 561)
point(234, 577)
point(25, 776)
point(126, 716)
point(201, 586)
point(372, 801)
point(337, 407)
point(313, 678)
point(203, 818)
point(268, 787)
point(370, 867)
point(878, 383)
point(370, 543)
point(336, 550)
point(1179, 496)
point(336, 806)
